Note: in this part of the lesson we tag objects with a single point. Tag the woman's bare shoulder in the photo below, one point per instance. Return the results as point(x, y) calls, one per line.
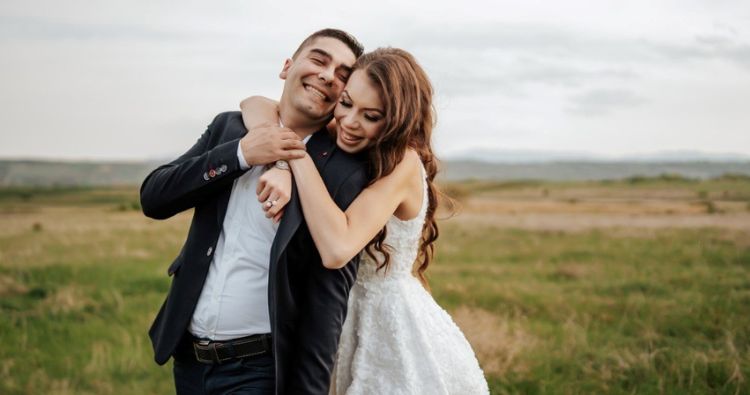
point(408, 169)
point(411, 162)
point(404, 171)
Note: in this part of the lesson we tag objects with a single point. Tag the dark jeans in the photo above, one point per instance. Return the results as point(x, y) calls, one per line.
point(245, 376)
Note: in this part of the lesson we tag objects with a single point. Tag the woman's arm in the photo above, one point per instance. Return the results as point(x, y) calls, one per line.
point(275, 185)
point(339, 235)
point(258, 111)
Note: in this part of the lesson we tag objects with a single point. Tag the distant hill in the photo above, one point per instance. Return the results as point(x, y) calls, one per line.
point(91, 173)
point(69, 173)
point(538, 156)
point(581, 171)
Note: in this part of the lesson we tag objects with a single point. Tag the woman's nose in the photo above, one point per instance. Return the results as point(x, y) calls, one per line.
point(350, 120)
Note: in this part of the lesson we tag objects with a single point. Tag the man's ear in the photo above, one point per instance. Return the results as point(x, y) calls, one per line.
point(285, 69)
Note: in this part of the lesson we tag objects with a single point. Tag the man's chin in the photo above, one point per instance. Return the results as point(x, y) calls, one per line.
point(319, 113)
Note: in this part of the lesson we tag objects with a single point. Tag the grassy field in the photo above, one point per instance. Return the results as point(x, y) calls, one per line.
point(634, 286)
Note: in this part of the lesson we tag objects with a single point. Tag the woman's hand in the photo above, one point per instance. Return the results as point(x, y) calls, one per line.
point(274, 191)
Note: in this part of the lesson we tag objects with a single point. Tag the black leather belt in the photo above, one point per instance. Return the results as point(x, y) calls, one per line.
point(211, 352)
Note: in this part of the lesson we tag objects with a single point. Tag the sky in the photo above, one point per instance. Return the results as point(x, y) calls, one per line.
point(133, 80)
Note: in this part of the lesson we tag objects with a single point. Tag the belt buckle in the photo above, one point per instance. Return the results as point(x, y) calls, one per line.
point(209, 346)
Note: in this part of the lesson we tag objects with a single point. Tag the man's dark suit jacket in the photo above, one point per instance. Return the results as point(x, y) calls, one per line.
point(307, 302)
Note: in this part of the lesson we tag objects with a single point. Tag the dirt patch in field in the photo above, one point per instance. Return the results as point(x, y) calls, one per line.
point(66, 300)
point(9, 286)
point(585, 209)
point(586, 221)
point(739, 238)
point(77, 220)
point(572, 271)
point(584, 205)
point(497, 341)
point(599, 192)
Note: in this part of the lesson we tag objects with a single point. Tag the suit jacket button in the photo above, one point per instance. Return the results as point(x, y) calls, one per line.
point(205, 176)
point(223, 168)
point(212, 173)
point(210, 250)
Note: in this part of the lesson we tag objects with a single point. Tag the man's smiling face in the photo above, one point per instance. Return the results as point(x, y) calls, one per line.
point(315, 78)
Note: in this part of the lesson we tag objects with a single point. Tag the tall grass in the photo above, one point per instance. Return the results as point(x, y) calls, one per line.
point(603, 311)
point(617, 310)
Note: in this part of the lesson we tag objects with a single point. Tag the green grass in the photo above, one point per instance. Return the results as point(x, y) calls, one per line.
point(32, 197)
point(611, 312)
point(81, 328)
point(727, 187)
point(77, 295)
point(618, 311)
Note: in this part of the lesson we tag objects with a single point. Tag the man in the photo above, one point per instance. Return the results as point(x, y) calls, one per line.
point(251, 309)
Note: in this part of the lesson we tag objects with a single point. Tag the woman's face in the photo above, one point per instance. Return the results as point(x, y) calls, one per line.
point(360, 116)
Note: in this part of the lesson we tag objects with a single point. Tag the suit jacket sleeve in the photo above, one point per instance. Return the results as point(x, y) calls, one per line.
point(207, 167)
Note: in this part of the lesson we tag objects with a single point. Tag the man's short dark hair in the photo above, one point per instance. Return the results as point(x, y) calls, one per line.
point(337, 34)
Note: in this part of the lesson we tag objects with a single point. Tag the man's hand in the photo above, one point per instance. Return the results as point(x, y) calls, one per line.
point(271, 143)
point(274, 191)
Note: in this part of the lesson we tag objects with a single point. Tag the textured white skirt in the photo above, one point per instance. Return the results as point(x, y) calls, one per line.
point(397, 340)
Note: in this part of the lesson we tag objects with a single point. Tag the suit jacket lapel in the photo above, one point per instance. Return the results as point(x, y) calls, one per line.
point(320, 148)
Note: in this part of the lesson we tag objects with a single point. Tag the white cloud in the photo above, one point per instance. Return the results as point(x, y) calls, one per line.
point(141, 79)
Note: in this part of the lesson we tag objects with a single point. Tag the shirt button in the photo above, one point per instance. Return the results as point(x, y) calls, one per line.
point(210, 250)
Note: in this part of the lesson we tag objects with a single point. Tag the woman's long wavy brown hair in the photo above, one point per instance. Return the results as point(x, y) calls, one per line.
point(406, 93)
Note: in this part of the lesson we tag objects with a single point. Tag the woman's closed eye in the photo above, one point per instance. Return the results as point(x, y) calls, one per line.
point(372, 117)
point(344, 77)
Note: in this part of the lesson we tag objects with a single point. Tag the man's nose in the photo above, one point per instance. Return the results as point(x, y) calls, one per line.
point(327, 75)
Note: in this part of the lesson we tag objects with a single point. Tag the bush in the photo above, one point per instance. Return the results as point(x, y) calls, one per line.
point(733, 177)
point(455, 191)
point(710, 207)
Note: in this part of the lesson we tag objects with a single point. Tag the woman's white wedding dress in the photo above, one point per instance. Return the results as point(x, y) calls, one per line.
point(396, 339)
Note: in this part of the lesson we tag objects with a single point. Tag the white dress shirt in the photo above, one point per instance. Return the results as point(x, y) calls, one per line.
point(234, 299)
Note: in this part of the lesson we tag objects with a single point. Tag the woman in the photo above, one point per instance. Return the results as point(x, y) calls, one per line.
point(396, 339)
